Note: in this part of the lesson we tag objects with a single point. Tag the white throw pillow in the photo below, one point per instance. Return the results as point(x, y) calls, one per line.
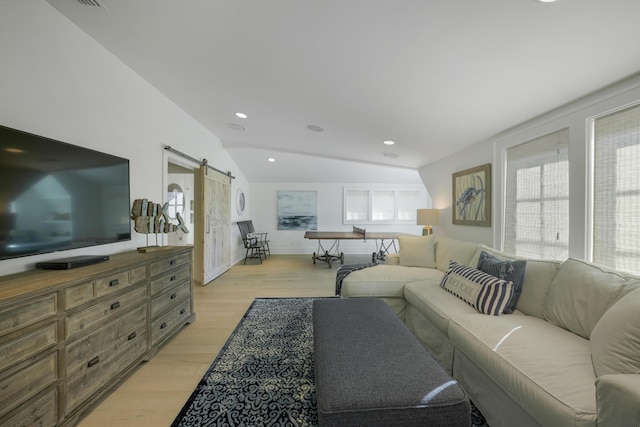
point(615, 340)
point(453, 250)
point(582, 292)
point(417, 251)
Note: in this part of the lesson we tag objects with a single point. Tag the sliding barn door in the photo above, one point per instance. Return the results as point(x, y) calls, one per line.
point(213, 226)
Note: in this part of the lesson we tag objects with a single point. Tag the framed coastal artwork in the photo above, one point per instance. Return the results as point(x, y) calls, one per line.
point(472, 196)
point(297, 210)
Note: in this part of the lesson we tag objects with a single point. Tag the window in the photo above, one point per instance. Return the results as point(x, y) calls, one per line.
point(616, 190)
point(380, 206)
point(537, 198)
point(175, 199)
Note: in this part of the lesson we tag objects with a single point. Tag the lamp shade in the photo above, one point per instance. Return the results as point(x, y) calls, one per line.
point(428, 217)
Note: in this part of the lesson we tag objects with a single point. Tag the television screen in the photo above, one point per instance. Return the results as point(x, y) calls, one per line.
point(56, 196)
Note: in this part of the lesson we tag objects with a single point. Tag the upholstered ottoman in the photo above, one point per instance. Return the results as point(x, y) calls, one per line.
point(372, 371)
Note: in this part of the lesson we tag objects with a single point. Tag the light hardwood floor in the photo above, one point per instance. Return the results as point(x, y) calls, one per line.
point(154, 394)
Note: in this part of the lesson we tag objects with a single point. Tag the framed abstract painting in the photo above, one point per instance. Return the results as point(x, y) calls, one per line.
point(297, 210)
point(471, 202)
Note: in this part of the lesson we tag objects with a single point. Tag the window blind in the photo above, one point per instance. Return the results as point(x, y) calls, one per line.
point(408, 203)
point(537, 198)
point(380, 206)
point(357, 205)
point(616, 193)
point(383, 205)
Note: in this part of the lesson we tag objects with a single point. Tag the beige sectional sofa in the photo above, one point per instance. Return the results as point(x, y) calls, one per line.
point(568, 355)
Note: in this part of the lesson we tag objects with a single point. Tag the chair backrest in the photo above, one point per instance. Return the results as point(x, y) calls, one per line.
point(245, 227)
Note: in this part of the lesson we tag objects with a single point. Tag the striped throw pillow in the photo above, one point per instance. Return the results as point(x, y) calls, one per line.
point(487, 294)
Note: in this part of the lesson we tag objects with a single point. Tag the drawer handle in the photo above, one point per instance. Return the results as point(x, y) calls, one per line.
point(172, 262)
point(93, 362)
point(114, 282)
point(173, 278)
point(164, 325)
point(173, 296)
point(131, 336)
point(182, 311)
point(115, 305)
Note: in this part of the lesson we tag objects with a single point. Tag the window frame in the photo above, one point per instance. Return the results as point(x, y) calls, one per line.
point(591, 178)
point(371, 190)
point(542, 198)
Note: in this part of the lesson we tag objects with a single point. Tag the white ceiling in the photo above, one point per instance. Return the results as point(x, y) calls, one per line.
point(434, 76)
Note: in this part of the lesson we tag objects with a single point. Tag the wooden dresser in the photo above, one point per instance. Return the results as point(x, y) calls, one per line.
point(67, 337)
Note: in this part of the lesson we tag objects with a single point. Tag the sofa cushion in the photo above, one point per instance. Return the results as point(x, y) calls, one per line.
point(582, 292)
point(615, 340)
point(417, 251)
point(384, 280)
point(536, 283)
point(392, 259)
point(482, 291)
point(453, 250)
point(512, 271)
point(437, 305)
point(544, 369)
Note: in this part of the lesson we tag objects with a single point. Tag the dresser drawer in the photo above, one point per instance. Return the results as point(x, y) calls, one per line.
point(25, 383)
point(138, 275)
point(81, 352)
point(92, 375)
point(132, 335)
point(27, 345)
point(112, 283)
point(169, 263)
point(26, 313)
point(163, 302)
point(85, 292)
point(162, 283)
point(78, 294)
point(94, 360)
point(133, 342)
point(166, 323)
point(41, 412)
point(102, 312)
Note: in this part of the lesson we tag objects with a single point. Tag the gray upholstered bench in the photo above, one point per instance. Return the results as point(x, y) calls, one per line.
point(372, 371)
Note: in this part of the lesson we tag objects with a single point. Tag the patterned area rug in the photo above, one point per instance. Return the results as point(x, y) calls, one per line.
point(264, 374)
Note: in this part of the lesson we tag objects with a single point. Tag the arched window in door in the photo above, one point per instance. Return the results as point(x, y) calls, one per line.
point(175, 198)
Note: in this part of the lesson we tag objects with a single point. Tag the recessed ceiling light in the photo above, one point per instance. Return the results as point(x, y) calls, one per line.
point(271, 159)
point(315, 128)
point(388, 142)
point(241, 115)
point(547, 1)
point(13, 150)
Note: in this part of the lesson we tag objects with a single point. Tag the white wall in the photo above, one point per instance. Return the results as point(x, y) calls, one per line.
point(574, 116)
point(57, 82)
point(437, 179)
point(264, 214)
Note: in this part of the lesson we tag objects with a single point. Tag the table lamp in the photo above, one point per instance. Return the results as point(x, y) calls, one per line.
point(428, 217)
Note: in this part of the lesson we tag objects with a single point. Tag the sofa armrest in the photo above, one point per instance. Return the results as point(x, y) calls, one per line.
point(392, 259)
point(617, 397)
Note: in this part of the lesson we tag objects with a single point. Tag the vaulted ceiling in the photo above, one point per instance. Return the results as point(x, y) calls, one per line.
point(325, 82)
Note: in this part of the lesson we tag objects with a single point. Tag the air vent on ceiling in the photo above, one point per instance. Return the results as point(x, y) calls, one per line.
point(391, 155)
point(236, 126)
point(94, 3)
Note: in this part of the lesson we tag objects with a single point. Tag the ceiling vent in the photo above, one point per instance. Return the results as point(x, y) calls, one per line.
point(391, 155)
point(93, 3)
point(236, 126)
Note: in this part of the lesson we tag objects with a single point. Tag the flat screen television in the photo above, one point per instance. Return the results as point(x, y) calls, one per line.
point(56, 196)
